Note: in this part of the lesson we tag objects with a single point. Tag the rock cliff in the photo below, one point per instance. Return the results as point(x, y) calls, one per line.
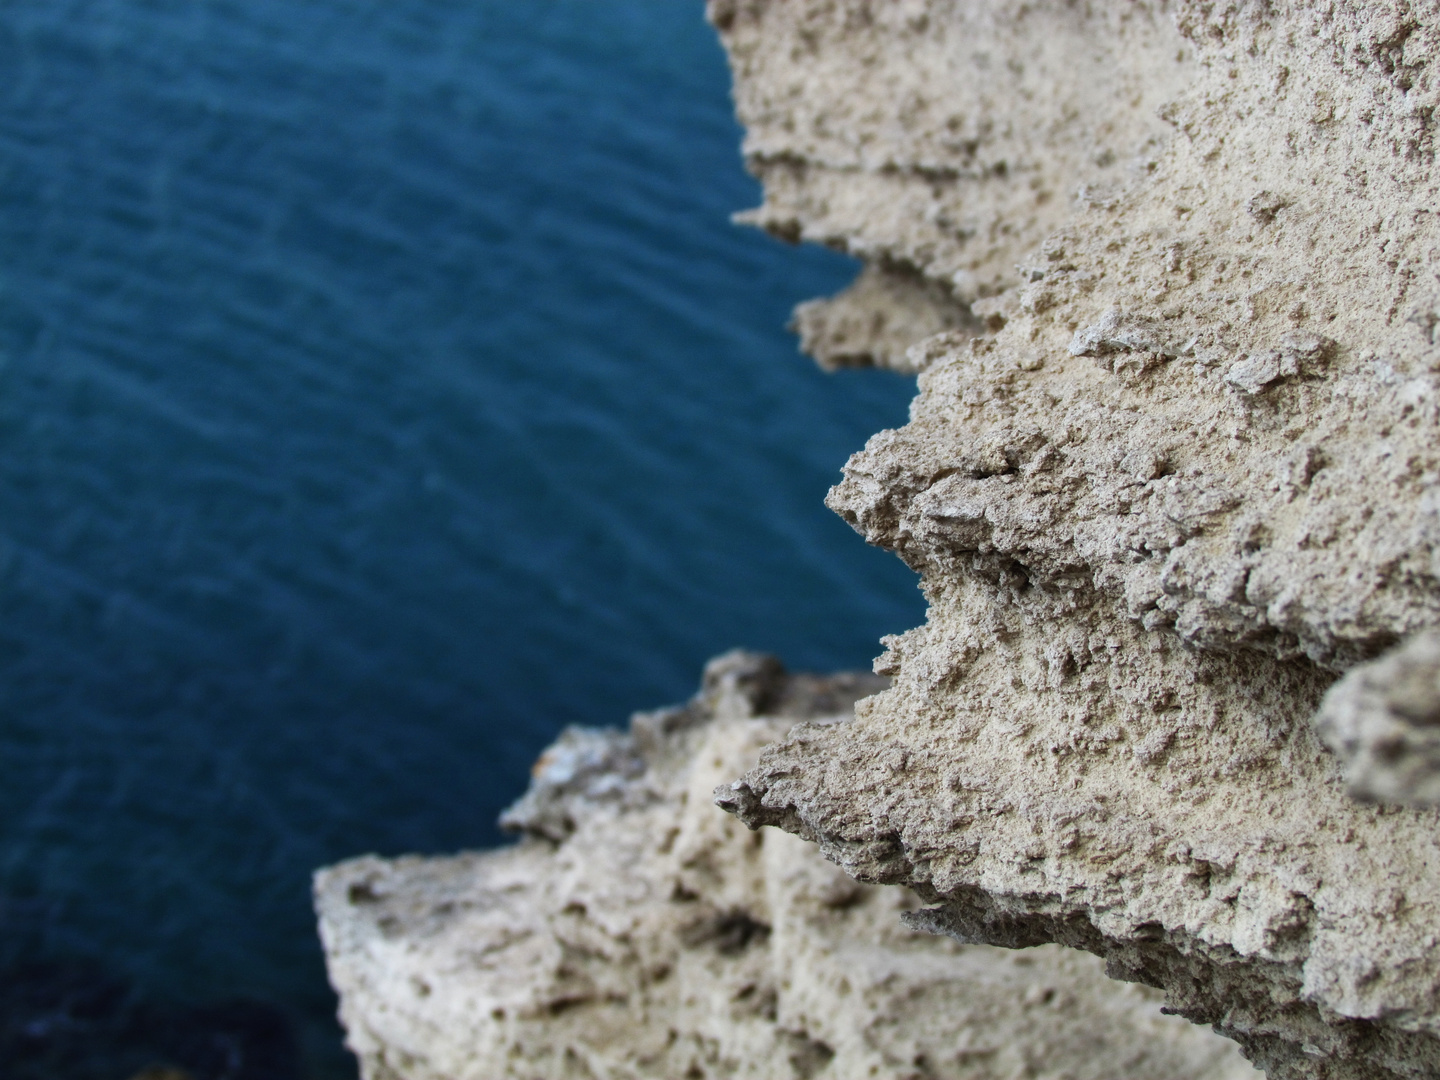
point(637, 932)
point(1169, 274)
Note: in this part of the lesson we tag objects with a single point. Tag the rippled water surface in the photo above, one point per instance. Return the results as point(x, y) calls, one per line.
point(382, 388)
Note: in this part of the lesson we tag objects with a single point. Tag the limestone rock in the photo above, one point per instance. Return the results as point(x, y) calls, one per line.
point(1383, 720)
point(636, 932)
point(875, 321)
point(1179, 472)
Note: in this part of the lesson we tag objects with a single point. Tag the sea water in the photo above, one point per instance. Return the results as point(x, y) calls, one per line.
point(382, 388)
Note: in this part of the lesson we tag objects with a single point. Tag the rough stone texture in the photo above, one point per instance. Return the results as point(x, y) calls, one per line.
point(874, 322)
point(1383, 719)
point(638, 932)
point(1177, 473)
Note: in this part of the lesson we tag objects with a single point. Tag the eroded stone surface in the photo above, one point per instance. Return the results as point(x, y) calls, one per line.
point(1383, 720)
point(638, 932)
point(1178, 472)
point(875, 321)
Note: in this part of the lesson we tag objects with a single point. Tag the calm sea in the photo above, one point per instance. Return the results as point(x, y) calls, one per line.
point(382, 388)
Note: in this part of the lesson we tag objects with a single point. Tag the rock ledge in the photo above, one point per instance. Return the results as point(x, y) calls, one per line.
point(636, 932)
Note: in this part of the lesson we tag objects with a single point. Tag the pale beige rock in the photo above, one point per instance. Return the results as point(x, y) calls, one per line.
point(655, 937)
point(1383, 720)
point(877, 319)
point(1180, 472)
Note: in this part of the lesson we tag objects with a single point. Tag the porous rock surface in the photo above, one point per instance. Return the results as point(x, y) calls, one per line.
point(638, 932)
point(1176, 472)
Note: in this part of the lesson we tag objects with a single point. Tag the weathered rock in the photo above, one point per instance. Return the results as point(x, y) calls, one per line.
point(1180, 472)
point(1383, 719)
point(876, 320)
point(638, 932)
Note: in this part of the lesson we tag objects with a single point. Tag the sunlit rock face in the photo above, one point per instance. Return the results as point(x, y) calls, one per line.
point(1173, 274)
point(637, 932)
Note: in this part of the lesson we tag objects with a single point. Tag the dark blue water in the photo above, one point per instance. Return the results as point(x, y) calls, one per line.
point(383, 388)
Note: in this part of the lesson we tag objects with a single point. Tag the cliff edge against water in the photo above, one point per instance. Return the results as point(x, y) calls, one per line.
point(1168, 275)
point(638, 932)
